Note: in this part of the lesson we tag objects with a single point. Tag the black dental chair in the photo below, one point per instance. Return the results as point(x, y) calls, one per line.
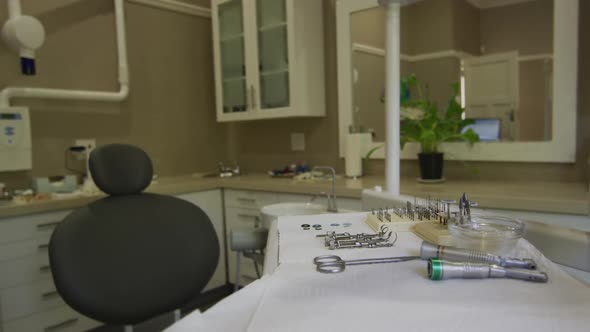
point(131, 256)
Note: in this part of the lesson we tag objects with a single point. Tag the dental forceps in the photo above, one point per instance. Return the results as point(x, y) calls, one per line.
point(335, 264)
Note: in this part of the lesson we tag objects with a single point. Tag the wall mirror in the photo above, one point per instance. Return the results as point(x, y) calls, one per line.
point(514, 60)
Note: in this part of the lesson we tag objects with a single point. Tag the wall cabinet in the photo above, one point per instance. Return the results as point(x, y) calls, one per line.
point(269, 59)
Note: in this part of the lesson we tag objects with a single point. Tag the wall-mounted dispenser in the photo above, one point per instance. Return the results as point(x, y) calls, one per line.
point(15, 139)
point(24, 35)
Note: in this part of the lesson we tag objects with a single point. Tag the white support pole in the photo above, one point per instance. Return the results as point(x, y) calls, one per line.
point(392, 99)
point(14, 8)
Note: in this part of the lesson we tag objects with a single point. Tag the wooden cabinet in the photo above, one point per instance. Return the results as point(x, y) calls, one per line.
point(269, 59)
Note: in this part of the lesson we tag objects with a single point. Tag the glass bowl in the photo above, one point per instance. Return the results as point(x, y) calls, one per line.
point(493, 234)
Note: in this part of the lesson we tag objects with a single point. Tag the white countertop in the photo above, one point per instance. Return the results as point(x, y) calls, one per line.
point(540, 196)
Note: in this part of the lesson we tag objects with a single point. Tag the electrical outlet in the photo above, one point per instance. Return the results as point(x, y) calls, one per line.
point(88, 143)
point(297, 142)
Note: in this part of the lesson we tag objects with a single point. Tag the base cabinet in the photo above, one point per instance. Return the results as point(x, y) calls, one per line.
point(28, 298)
point(29, 301)
point(242, 211)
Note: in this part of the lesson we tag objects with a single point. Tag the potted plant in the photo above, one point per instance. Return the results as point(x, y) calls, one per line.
point(422, 123)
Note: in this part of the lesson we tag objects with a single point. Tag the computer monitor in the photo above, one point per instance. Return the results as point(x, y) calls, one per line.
point(488, 129)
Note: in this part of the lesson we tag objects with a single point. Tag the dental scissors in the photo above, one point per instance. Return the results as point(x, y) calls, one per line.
point(335, 264)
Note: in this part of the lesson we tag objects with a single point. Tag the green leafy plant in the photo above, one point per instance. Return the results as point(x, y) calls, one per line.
point(422, 123)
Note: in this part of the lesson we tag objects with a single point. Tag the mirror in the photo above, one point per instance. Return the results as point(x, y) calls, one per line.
point(505, 59)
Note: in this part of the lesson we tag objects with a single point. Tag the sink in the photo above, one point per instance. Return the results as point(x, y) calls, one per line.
point(272, 212)
point(294, 209)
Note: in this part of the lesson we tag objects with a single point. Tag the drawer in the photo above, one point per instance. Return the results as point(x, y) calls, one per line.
point(237, 218)
point(29, 227)
point(62, 319)
point(26, 248)
point(249, 199)
point(18, 302)
point(24, 270)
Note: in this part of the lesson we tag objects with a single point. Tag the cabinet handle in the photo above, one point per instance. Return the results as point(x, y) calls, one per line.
point(253, 200)
point(43, 246)
point(251, 216)
point(48, 225)
point(44, 269)
point(49, 295)
point(253, 96)
point(61, 325)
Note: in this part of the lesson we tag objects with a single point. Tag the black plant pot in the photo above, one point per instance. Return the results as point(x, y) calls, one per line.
point(431, 165)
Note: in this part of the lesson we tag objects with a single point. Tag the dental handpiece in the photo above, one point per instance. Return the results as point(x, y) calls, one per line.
point(440, 270)
point(429, 250)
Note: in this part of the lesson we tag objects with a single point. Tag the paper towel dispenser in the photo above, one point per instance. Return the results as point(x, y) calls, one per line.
point(15, 139)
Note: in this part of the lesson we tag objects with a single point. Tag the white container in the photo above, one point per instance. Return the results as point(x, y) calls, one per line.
point(353, 153)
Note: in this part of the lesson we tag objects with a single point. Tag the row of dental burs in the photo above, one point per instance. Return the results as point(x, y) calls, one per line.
point(346, 240)
point(430, 210)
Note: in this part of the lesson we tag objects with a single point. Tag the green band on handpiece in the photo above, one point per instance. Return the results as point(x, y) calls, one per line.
point(435, 269)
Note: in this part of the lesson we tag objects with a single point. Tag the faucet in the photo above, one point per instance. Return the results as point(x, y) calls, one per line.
point(227, 171)
point(332, 207)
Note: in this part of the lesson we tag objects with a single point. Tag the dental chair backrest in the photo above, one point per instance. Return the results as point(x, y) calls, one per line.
point(131, 256)
point(565, 246)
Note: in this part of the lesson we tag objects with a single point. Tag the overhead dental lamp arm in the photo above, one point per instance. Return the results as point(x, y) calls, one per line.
point(24, 35)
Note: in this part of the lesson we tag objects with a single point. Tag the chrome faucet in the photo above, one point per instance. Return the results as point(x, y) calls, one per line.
point(227, 171)
point(332, 206)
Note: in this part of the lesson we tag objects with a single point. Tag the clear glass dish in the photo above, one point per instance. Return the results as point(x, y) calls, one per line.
point(494, 234)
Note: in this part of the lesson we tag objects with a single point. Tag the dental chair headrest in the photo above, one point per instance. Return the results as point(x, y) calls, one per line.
point(120, 169)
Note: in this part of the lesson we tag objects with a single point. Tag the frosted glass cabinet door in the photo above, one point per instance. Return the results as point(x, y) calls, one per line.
point(273, 55)
point(233, 67)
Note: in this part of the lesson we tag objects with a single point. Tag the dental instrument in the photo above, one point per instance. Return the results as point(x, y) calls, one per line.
point(335, 264)
point(440, 270)
point(429, 250)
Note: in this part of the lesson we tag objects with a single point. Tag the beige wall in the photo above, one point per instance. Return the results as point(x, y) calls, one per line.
point(171, 108)
point(533, 96)
point(466, 23)
point(428, 24)
point(368, 27)
point(170, 111)
point(526, 27)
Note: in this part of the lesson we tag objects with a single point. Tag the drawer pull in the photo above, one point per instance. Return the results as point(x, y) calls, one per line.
point(44, 269)
point(49, 295)
point(251, 216)
point(48, 225)
point(253, 200)
point(43, 246)
point(61, 325)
